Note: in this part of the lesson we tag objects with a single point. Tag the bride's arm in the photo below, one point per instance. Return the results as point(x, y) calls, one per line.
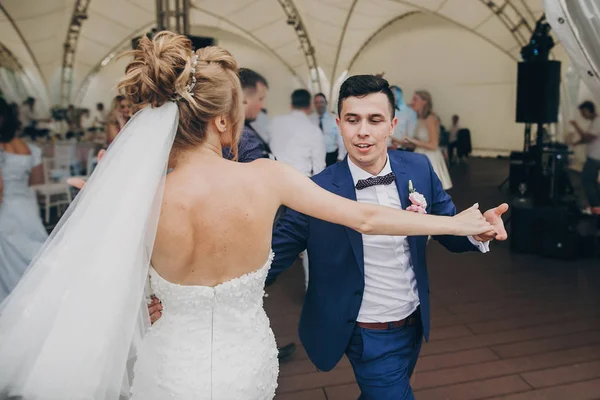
point(299, 193)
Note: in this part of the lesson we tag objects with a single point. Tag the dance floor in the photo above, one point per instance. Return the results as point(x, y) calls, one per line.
point(504, 325)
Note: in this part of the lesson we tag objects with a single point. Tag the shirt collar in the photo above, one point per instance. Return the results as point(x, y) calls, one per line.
point(325, 116)
point(359, 173)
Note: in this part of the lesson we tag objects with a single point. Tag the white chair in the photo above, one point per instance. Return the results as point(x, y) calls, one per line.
point(52, 194)
point(92, 160)
point(65, 160)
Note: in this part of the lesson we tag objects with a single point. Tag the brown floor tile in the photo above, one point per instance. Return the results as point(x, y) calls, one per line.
point(343, 392)
point(296, 367)
point(450, 332)
point(315, 380)
point(439, 361)
point(317, 394)
point(562, 375)
point(513, 366)
point(543, 331)
point(589, 390)
point(507, 324)
point(537, 346)
point(475, 390)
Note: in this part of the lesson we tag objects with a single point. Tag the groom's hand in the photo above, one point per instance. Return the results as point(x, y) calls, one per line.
point(80, 183)
point(494, 217)
point(154, 309)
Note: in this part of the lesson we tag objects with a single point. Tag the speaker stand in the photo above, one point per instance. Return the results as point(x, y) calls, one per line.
point(527, 140)
point(504, 182)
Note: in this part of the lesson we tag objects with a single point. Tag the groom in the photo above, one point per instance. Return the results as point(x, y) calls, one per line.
point(368, 296)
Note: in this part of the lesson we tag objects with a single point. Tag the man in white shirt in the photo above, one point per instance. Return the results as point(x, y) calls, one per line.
point(591, 138)
point(295, 140)
point(334, 144)
point(368, 297)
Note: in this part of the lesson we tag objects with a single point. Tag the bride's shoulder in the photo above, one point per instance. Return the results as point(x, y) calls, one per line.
point(267, 169)
point(262, 165)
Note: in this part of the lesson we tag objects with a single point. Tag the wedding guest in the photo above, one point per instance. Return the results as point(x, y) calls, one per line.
point(119, 115)
point(427, 136)
point(590, 138)
point(22, 232)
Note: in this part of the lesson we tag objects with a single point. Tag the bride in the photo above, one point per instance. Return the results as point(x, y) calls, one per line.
point(77, 322)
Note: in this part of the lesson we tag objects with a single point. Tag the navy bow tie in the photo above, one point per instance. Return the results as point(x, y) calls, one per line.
point(376, 180)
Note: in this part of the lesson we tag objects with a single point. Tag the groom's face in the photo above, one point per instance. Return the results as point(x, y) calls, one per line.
point(365, 124)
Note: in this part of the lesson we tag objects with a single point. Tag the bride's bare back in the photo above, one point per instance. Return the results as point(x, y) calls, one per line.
point(216, 222)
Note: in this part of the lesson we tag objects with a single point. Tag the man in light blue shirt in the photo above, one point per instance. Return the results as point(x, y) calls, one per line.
point(334, 145)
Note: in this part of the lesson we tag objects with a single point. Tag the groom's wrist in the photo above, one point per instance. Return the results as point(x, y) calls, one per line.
point(483, 247)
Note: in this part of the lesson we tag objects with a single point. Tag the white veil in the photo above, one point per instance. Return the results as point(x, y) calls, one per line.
point(69, 329)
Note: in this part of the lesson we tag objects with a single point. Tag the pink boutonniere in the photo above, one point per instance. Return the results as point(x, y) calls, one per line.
point(419, 203)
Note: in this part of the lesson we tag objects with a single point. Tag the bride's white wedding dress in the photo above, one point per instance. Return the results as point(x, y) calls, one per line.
point(211, 343)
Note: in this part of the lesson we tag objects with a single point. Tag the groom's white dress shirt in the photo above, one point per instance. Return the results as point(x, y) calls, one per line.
point(391, 292)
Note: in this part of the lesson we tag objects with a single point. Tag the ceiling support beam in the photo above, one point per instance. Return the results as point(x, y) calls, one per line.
point(173, 15)
point(70, 49)
point(294, 19)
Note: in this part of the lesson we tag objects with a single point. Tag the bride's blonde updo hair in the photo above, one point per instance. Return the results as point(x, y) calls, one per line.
point(162, 68)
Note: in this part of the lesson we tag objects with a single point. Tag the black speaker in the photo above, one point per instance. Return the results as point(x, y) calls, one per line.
point(134, 42)
point(538, 92)
point(199, 42)
point(521, 172)
point(546, 231)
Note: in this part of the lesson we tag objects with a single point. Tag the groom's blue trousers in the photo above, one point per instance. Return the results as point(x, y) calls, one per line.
point(383, 361)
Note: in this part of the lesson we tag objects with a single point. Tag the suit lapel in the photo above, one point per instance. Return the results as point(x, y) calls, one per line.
point(344, 186)
point(399, 168)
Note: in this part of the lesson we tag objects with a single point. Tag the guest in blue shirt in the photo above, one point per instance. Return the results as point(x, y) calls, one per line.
point(407, 121)
point(334, 145)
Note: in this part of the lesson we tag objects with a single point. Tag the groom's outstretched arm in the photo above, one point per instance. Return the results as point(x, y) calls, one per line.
point(289, 240)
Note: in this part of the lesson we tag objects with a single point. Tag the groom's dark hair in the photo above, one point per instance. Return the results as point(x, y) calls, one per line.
point(363, 85)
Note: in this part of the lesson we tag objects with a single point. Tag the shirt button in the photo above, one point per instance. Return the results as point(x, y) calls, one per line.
point(351, 321)
point(358, 292)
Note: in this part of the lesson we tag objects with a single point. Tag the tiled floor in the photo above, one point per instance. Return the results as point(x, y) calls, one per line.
point(504, 325)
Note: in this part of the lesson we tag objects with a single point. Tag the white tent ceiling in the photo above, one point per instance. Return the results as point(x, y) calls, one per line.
point(35, 30)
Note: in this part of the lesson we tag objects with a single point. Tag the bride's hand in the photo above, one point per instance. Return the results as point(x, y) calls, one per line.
point(471, 222)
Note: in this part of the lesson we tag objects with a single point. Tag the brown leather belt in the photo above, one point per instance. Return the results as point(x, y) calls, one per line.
point(382, 326)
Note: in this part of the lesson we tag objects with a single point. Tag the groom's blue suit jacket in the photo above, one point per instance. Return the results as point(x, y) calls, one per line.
point(336, 261)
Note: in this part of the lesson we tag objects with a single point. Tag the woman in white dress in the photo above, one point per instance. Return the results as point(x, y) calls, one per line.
point(427, 136)
point(203, 235)
point(22, 232)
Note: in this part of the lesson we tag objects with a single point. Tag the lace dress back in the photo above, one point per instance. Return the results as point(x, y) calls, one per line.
point(210, 343)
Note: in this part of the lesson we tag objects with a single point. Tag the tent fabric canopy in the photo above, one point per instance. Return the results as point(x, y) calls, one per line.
point(35, 31)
